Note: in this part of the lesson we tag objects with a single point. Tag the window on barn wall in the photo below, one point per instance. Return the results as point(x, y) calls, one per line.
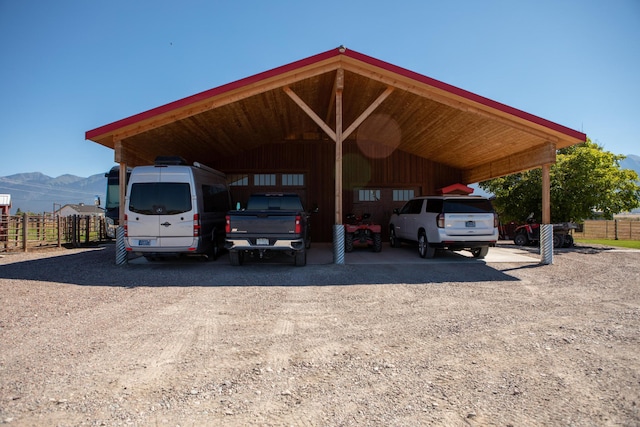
point(293, 179)
point(368, 195)
point(264, 179)
point(238, 180)
point(402, 195)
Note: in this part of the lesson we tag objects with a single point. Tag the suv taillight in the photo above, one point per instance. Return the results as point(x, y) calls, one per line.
point(196, 225)
point(496, 220)
point(298, 224)
point(227, 224)
point(440, 220)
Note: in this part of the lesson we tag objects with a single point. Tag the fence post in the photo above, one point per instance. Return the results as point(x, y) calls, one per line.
point(87, 229)
point(25, 228)
point(59, 231)
point(615, 222)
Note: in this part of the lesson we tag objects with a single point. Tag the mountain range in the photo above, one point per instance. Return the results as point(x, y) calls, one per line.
point(37, 193)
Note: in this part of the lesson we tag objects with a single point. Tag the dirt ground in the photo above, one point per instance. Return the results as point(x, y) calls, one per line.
point(449, 342)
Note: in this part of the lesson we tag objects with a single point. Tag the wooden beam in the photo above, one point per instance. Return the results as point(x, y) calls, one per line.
point(524, 160)
point(546, 194)
point(338, 139)
point(310, 112)
point(367, 112)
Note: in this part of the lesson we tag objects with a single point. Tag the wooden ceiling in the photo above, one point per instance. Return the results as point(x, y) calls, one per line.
point(421, 116)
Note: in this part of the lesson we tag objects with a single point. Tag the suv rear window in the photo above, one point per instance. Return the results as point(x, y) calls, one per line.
point(160, 198)
point(467, 206)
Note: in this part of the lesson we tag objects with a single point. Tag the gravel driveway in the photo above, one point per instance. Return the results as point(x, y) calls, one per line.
point(191, 343)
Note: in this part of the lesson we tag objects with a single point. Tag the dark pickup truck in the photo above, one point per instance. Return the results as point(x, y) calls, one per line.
point(271, 222)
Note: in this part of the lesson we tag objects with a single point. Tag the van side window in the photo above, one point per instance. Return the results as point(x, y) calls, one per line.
point(434, 205)
point(160, 198)
point(215, 198)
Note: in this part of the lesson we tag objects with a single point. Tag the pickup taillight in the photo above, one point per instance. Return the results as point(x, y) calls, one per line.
point(227, 224)
point(440, 220)
point(196, 225)
point(298, 224)
point(125, 226)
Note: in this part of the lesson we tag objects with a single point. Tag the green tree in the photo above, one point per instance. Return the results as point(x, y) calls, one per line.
point(584, 180)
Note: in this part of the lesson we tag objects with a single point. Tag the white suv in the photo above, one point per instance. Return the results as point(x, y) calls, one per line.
point(446, 222)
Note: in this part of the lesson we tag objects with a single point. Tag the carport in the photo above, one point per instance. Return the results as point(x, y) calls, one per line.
point(413, 131)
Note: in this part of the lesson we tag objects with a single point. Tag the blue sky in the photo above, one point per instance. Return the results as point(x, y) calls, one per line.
point(69, 66)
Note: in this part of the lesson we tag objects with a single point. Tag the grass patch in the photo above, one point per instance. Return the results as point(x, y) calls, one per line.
point(633, 244)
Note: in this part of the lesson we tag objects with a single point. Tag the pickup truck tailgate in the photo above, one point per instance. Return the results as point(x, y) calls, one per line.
point(263, 224)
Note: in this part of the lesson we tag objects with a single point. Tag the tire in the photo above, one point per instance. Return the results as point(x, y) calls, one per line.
point(348, 242)
point(236, 258)
point(393, 240)
point(568, 241)
point(521, 239)
point(480, 253)
point(558, 240)
point(424, 250)
point(301, 258)
point(377, 242)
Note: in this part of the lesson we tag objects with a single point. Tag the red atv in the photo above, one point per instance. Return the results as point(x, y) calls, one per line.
point(529, 234)
point(359, 230)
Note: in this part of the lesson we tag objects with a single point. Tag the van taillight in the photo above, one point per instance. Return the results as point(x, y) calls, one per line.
point(227, 224)
point(125, 226)
point(298, 224)
point(196, 225)
point(440, 220)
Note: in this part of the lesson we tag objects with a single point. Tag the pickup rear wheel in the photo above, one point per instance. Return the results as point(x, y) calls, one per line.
point(301, 258)
point(236, 258)
point(424, 249)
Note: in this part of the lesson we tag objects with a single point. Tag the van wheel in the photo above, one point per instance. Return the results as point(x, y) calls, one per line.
point(301, 258)
point(236, 258)
point(424, 249)
point(480, 253)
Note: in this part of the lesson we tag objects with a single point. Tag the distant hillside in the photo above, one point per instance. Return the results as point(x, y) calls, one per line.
point(631, 162)
point(36, 192)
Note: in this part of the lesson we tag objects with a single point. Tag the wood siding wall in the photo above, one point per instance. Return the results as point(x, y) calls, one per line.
point(316, 160)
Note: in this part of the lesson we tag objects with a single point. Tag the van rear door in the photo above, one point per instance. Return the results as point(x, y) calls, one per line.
point(468, 217)
point(179, 203)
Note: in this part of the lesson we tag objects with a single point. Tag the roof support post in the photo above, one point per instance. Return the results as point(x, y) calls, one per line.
point(339, 136)
point(546, 229)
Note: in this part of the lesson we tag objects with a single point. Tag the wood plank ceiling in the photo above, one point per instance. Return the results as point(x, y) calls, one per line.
point(421, 116)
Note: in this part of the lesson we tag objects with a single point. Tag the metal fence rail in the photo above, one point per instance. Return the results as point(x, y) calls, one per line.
point(25, 232)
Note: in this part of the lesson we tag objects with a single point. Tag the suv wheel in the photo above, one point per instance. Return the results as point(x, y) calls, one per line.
point(393, 240)
point(424, 249)
point(480, 253)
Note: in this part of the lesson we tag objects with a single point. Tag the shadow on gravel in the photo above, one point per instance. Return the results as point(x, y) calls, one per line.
point(96, 267)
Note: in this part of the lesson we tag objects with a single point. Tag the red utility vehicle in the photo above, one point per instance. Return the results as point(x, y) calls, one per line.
point(359, 231)
point(529, 233)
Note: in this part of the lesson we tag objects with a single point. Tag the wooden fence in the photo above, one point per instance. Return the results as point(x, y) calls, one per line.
point(614, 230)
point(26, 232)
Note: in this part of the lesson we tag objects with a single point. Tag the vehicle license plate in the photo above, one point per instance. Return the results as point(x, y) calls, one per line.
point(264, 242)
point(144, 242)
point(470, 224)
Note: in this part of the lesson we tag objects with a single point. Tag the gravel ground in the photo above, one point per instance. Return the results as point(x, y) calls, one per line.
point(184, 342)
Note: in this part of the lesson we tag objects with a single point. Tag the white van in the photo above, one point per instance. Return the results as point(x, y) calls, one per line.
point(172, 209)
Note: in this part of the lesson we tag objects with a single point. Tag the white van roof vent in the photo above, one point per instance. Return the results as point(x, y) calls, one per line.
point(170, 160)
